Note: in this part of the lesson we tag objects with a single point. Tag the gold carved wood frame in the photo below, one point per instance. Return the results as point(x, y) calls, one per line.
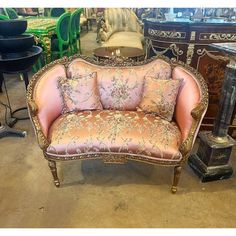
point(185, 148)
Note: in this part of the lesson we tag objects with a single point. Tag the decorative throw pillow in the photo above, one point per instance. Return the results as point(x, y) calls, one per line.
point(80, 93)
point(159, 96)
point(120, 89)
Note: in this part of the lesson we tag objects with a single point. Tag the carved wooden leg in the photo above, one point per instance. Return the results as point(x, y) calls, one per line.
point(177, 172)
point(53, 167)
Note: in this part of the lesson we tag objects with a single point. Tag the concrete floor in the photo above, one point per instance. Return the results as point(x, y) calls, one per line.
point(94, 194)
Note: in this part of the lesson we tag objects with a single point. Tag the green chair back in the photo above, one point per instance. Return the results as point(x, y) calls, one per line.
point(56, 12)
point(62, 32)
point(75, 30)
point(62, 28)
point(3, 17)
point(77, 21)
point(11, 13)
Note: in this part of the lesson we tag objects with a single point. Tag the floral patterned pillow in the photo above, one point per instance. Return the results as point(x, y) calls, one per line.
point(159, 97)
point(80, 93)
point(120, 89)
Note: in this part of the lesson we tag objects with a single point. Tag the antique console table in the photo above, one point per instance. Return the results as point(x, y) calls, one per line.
point(189, 42)
point(214, 151)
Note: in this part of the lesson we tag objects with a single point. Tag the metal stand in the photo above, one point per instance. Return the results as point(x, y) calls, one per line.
point(6, 130)
point(211, 160)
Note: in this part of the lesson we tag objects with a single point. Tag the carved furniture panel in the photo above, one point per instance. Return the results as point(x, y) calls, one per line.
point(189, 42)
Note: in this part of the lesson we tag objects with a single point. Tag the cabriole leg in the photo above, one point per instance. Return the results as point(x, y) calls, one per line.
point(177, 172)
point(53, 167)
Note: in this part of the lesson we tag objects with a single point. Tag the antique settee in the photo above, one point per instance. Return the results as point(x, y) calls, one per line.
point(112, 126)
point(120, 28)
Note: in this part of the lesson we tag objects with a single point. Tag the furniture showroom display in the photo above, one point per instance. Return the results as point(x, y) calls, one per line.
point(190, 41)
point(117, 128)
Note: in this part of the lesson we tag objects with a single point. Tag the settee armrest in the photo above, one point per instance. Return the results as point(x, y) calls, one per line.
point(41, 138)
point(197, 114)
point(44, 100)
point(191, 105)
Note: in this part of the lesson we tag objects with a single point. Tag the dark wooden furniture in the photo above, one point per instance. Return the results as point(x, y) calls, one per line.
point(190, 42)
point(211, 162)
point(124, 52)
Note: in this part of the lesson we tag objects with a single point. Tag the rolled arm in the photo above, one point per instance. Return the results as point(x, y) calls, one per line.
point(44, 100)
point(191, 105)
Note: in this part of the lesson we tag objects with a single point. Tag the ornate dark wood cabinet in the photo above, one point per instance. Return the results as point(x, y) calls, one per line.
point(189, 42)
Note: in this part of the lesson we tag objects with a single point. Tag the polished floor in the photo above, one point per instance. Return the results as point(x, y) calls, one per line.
point(94, 194)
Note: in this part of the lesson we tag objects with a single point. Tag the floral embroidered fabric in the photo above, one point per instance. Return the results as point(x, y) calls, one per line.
point(159, 97)
point(79, 93)
point(121, 88)
point(111, 131)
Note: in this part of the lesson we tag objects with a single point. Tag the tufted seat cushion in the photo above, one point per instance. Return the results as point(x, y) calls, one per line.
point(114, 132)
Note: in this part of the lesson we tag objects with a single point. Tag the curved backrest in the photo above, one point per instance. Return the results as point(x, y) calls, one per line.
point(56, 12)
point(121, 19)
point(62, 28)
point(77, 20)
point(11, 13)
point(75, 24)
point(3, 17)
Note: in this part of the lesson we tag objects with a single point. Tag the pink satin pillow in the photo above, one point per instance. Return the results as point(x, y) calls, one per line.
point(159, 97)
point(120, 89)
point(80, 93)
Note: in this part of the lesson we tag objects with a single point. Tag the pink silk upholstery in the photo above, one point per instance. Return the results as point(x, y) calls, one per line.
point(188, 98)
point(115, 132)
point(121, 91)
point(47, 97)
point(111, 81)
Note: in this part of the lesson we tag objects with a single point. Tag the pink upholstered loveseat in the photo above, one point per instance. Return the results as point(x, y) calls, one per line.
point(119, 131)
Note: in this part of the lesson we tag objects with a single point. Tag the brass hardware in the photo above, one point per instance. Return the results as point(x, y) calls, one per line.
point(167, 34)
point(216, 139)
point(217, 36)
point(190, 52)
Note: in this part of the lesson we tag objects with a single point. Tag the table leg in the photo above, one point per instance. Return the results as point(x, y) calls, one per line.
point(46, 41)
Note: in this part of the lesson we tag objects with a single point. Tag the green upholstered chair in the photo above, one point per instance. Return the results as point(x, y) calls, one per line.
point(4, 17)
point(74, 31)
point(60, 43)
point(11, 13)
point(56, 12)
point(78, 28)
